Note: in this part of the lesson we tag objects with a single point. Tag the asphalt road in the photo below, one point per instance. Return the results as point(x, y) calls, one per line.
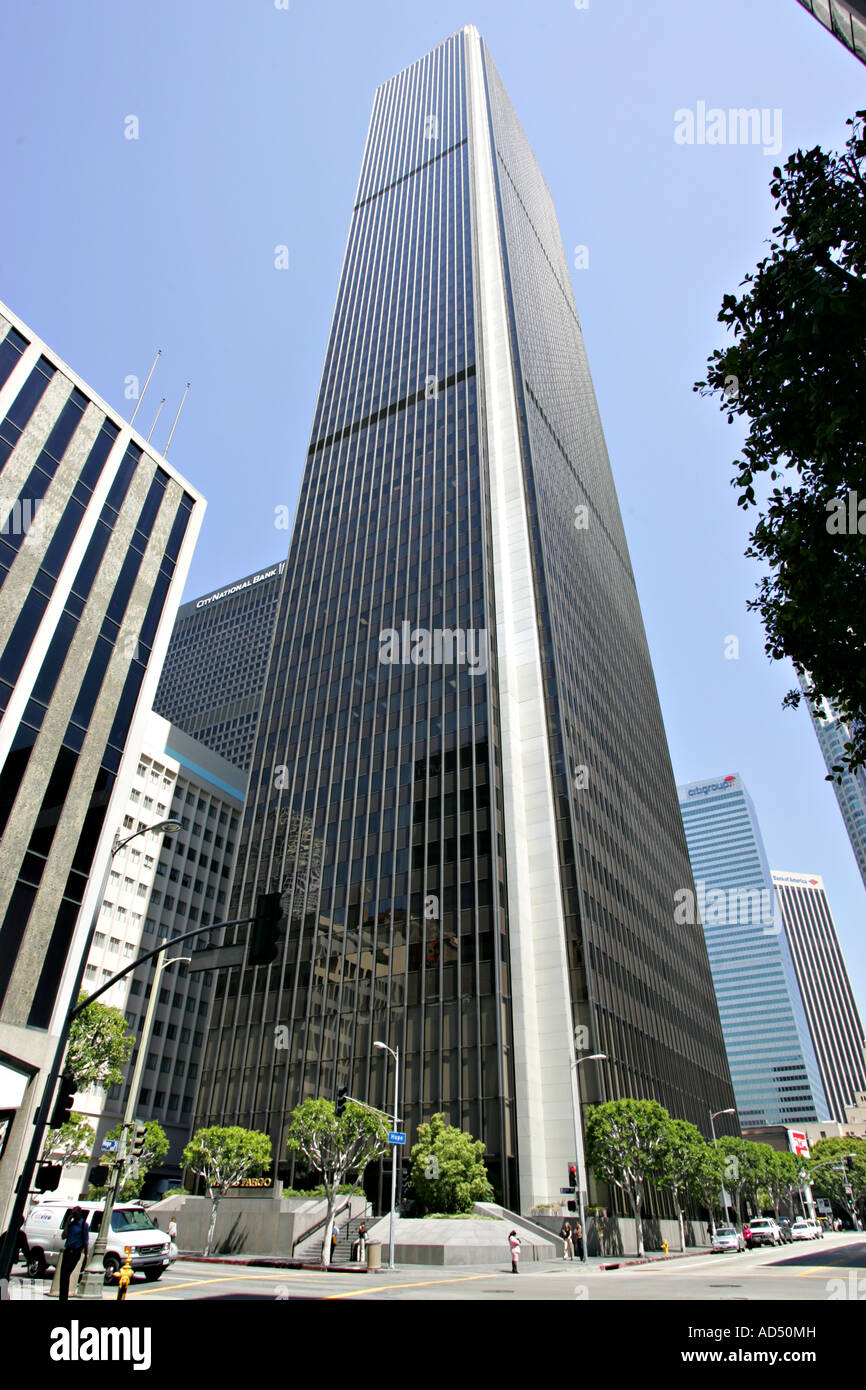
point(827, 1270)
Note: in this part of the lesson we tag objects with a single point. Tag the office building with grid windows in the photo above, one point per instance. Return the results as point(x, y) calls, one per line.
point(844, 18)
point(831, 1008)
point(461, 782)
point(833, 733)
point(154, 893)
point(214, 673)
point(95, 542)
point(773, 1064)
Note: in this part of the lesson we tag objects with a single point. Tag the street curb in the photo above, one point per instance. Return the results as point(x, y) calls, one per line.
point(656, 1259)
point(269, 1262)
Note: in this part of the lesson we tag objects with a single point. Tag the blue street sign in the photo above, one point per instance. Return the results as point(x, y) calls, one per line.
point(394, 1137)
point(109, 1146)
point(569, 1190)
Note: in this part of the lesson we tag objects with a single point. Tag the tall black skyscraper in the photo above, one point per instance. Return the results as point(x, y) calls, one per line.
point(461, 781)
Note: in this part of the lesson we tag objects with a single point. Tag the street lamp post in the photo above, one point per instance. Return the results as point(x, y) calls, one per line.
point(40, 1119)
point(92, 1283)
point(396, 1055)
point(713, 1117)
point(578, 1142)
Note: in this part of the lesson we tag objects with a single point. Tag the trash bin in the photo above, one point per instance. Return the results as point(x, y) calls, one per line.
point(374, 1254)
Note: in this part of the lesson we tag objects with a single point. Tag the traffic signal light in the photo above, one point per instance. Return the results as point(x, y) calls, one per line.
point(99, 1175)
point(63, 1103)
point(266, 929)
point(404, 1183)
point(340, 1107)
point(139, 1139)
point(48, 1177)
point(572, 1175)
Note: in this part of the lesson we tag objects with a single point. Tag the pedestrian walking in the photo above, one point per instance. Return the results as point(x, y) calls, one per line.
point(577, 1239)
point(335, 1235)
point(514, 1245)
point(565, 1235)
point(76, 1237)
point(362, 1241)
point(172, 1230)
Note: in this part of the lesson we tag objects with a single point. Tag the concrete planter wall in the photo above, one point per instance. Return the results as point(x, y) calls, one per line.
point(613, 1236)
point(246, 1224)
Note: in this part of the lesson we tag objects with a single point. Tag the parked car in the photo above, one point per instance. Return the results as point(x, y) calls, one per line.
point(130, 1225)
point(764, 1231)
point(804, 1229)
point(728, 1238)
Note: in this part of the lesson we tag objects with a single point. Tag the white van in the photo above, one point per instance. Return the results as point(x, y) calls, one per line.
point(45, 1226)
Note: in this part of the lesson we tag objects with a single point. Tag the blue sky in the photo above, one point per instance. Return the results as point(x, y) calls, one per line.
point(251, 124)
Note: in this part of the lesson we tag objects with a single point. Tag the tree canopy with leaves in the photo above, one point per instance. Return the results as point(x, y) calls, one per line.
point(795, 373)
point(447, 1170)
point(137, 1169)
point(71, 1144)
point(99, 1046)
point(626, 1143)
point(336, 1147)
point(223, 1156)
point(831, 1175)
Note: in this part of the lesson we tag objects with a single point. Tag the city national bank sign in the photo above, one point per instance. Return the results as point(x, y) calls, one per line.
point(241, 585)
point(704, 788)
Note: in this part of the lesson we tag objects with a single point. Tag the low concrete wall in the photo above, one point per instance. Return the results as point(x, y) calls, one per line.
point(454, 1243)
point(246, 1225)
point(613, 1236)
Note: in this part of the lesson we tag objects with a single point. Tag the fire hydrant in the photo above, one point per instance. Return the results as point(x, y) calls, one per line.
point(124, 1274)
point(664, 1247)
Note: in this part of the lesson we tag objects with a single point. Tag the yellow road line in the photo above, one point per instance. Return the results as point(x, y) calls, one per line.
point(422, 1284)
point(224, 1278)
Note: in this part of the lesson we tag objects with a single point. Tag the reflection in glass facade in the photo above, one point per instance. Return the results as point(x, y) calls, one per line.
point(833, 734)
point(461, 781)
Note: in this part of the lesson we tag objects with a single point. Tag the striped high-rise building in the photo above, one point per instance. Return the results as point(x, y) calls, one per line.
point(461, 781)
point(96, 536)
point(831, 1009)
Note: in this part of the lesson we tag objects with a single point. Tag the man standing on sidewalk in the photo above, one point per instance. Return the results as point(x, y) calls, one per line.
point(76, 1237)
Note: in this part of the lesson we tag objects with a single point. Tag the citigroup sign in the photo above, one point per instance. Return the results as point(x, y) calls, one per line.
point(706, 787)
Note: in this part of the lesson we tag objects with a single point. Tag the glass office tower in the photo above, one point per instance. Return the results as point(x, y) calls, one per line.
point(773, 1064)
point(833, 734)
point(461, 780)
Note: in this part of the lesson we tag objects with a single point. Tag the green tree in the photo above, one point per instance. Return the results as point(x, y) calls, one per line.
point(829, 1180)
point(781, 1178)
point(137, 1169)
point(447, 1170)
point(99, 1046)
point(625, 1141)
point(336, 1147)
point(679, 1159)
point(706, 1180)
point(744, 1170)
point(795, 373)
point(222, 1156)
point(71, 1144)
